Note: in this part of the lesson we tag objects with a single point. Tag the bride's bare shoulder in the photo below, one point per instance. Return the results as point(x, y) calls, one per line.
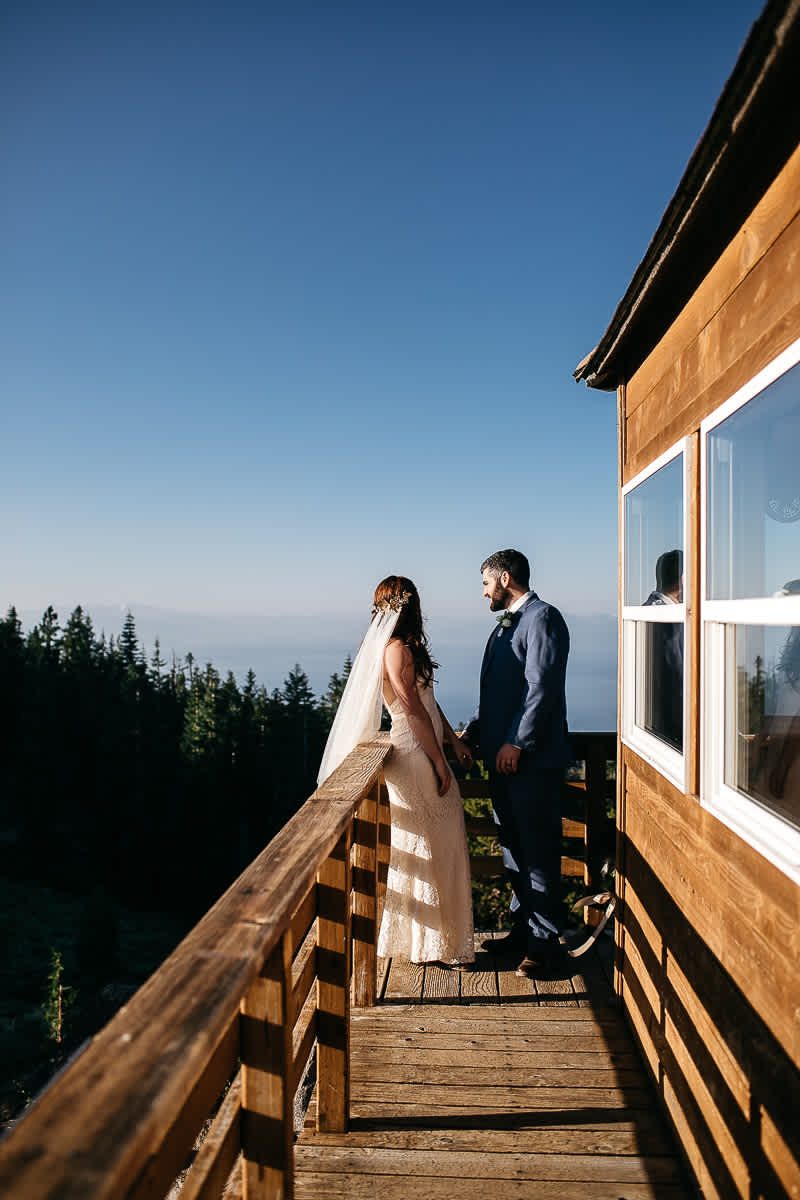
point(397, 653)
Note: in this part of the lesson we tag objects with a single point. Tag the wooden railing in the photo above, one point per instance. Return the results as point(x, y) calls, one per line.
point(201, 1067)
point(223, 1030)
point(590, 790)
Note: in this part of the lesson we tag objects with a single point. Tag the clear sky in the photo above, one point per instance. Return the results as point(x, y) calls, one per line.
point(291, 294)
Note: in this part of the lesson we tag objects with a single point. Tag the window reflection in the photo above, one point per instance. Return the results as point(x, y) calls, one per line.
point(754, 494)
point(659, 701)
point(653, 527)
point(762, 757)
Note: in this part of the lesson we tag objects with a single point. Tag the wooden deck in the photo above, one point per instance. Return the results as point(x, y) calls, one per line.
point(482, 1084)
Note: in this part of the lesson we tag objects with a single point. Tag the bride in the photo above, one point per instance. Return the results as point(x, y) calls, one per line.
point(427, 915)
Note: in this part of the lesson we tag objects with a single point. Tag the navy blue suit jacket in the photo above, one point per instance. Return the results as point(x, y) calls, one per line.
point(523, 689)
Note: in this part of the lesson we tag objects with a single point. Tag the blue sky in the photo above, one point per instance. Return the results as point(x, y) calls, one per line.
point(292, 294)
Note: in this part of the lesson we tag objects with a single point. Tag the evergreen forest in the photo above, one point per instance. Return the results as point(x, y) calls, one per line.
point(133, 791)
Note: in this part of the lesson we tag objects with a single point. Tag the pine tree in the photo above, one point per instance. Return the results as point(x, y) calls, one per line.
point(78, 646)
point(12, 709)
point(128, 642)
point(157, 664)
point(297, 694)
point(43, 640)
point(336, 686)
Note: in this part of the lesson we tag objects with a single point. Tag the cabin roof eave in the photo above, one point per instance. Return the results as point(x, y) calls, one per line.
point(753, 130)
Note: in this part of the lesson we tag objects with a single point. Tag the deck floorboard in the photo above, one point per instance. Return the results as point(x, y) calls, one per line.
point(464, 1080)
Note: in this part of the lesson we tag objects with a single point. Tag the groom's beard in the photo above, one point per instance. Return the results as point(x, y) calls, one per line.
point(500, 600)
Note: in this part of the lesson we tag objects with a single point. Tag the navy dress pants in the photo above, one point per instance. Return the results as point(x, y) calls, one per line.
point(527, 812)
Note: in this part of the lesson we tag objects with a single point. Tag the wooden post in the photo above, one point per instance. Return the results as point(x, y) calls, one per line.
point(365, 881)
point(333, 972)
point(595, 816)
point(267, 1105)
point(384, 845)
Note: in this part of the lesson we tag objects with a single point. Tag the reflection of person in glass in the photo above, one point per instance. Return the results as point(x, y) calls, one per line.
point(777, 780)
point(665, 685)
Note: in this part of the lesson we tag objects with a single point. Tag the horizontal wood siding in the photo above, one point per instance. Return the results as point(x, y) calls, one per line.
point(710, 980)
point(746, 311)
point(708, 946)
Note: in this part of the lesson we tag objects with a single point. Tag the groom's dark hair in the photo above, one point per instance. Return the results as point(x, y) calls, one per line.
point(512, 561)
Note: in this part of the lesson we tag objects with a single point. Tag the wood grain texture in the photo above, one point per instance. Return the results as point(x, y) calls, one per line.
point(266, 1045)
point(219, 1150)
point(365, 900)
point(450, 1099)
point(333, 962)
point(711, 977)
point(302, 920)
point(362, 1186)
point(772, 215)
point(304, 1040)
point(759, 320)
point(480, 984)
point(304, 972)
point(714, 878)
point(440, 983)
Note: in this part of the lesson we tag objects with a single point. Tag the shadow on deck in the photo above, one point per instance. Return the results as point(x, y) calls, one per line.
point(471, 1084)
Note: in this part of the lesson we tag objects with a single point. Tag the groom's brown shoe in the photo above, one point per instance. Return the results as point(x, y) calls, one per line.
point(533, 968)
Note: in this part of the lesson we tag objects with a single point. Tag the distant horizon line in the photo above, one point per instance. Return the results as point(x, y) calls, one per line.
point(296, 612)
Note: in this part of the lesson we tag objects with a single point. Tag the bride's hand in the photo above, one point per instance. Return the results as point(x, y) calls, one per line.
point(443, 775)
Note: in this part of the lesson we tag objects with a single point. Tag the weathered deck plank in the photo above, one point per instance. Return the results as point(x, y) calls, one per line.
point(364, 1186)
point(492, 1083)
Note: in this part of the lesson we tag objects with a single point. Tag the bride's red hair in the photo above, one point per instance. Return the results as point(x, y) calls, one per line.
point(398, 590)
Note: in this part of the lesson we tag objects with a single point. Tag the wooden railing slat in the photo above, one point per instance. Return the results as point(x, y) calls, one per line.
point(303, 919)
point(266, 1039)
point(168, 1157)
point(304, 972)
point(365, 896)
point(219, 1151)
point(333, 981)
point(488, 865)
point(485, 827)
point(305, 1033)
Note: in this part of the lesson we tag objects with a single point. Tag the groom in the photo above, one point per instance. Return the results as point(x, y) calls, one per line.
point(520, 731)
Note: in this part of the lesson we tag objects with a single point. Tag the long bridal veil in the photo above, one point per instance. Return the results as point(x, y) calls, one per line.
point(358, 717)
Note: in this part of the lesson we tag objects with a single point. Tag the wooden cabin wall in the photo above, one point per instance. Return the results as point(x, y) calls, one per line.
point(708, 953)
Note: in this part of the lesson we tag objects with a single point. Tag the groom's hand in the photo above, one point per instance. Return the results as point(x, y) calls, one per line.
point(507, 759)
point(462, 751)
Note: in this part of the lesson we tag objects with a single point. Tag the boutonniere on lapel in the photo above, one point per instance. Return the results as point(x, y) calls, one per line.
point(505, 621)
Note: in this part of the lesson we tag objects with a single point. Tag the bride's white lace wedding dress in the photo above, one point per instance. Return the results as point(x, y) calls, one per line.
point(428, 910)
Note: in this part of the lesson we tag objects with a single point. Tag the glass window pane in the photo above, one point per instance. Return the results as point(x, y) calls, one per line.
point(654, 536)
point(659, 671)
point(762, 735)
point(754, 495)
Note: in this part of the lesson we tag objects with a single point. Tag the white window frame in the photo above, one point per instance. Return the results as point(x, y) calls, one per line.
point(767, 832)
point(670, 762)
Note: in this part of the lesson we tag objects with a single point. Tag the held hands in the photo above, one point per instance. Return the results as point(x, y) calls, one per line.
point(507, 759)
point(462, 751)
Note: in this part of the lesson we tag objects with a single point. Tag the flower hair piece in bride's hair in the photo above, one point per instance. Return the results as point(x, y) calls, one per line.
point(393, 603)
